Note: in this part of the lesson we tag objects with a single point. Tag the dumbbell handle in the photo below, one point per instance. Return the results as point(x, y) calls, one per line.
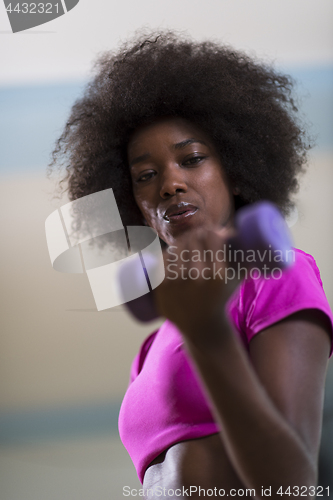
point(261, 230)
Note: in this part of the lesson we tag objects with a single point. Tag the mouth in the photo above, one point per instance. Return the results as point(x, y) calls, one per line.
point(179, 212)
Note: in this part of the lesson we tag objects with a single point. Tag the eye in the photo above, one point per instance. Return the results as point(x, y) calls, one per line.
point(145, 176)
point(194, 160)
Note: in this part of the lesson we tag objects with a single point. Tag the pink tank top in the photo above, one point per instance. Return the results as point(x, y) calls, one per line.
point(165, 402)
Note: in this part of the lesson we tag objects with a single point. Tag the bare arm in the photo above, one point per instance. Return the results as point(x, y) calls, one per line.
point(269, 406)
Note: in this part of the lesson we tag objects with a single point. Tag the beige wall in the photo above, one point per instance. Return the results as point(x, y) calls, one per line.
point(56, 349)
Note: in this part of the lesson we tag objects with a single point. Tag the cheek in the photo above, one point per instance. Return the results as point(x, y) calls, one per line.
point(214, 182)
point(221, 199)
point(146, 209)
point(139, 199)
point(142, 203)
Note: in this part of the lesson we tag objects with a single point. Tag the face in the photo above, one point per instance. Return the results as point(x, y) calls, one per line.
point(178, 180)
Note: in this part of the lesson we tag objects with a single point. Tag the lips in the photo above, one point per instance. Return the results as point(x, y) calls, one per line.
point(179, 211)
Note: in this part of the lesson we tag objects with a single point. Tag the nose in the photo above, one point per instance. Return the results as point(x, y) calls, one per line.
point(172, 182)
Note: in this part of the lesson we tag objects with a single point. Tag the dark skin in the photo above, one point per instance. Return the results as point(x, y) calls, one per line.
point(268, 401)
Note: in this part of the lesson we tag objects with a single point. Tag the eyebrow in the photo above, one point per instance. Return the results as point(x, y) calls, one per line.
point(185, 143)
point(138, 159)
point(178, 145)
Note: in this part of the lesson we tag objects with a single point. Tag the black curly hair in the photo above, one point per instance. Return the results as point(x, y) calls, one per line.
point(245, 107)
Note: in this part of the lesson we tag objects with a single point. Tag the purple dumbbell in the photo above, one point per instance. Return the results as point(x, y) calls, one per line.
point(261, 231)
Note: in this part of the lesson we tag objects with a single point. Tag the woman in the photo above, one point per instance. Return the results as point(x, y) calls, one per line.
point(186, 133)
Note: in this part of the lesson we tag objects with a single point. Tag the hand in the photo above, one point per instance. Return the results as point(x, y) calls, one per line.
point(198, 281)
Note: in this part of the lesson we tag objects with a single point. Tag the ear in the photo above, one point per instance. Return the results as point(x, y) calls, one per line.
point(236, 191)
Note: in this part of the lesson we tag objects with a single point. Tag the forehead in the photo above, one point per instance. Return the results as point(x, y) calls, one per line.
point(168, 130)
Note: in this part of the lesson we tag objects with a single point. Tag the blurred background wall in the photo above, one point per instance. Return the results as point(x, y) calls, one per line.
point(63, 365)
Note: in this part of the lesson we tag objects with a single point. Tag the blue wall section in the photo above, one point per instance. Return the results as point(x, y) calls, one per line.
point(315, 88)
point(32, 118)
point(36, 425)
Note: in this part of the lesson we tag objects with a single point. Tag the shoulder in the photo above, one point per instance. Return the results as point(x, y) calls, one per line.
point(262, 302)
